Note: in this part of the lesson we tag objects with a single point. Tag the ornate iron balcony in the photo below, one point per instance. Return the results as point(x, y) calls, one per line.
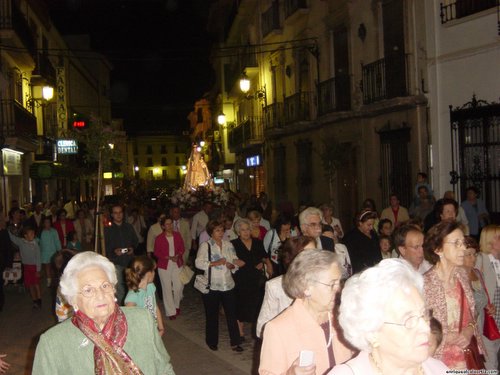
point(16, 121)
point(11, 19)
point(297, 107)
point(271, 19)
point(274, 116)
point(385, 78)
point(464, 8)
point(335, 94)
point(248, 133)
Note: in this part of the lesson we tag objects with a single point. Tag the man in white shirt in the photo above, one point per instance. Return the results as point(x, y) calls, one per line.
point(409, 241)
point(199, 223)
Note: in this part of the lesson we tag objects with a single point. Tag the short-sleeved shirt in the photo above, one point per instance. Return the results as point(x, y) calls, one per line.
point(144, 298)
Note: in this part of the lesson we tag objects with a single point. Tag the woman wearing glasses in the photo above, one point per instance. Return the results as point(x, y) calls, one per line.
point(383, 315)
point(309, 324)
point(113, 337)
point(448, 293)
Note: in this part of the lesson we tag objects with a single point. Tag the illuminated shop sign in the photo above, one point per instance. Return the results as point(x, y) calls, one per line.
point(253, 161)
point(67, 146)
point(12, 162)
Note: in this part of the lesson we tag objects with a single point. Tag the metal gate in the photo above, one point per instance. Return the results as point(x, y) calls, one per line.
point(395, 165)
point(475, 140)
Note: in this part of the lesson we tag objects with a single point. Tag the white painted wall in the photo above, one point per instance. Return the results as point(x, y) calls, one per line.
point(463, 58)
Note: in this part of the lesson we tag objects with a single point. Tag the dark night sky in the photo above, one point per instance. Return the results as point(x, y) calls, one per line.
point(159, 50)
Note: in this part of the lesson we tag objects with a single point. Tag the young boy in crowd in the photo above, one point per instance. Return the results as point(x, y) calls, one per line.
point(31, 260)
point(385, 246)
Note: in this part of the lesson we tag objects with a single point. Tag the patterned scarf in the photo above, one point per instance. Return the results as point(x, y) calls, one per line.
point(109, 356)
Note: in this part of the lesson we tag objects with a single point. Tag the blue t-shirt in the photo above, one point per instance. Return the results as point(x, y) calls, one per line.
point(144, 298)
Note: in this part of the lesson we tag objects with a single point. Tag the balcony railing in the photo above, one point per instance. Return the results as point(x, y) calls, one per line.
point(291, 6)
point(11, 18)
point(464, 8)
point(16, 121)
point(44, 68)
point(248, 58)
point(271, 19)
point(335, 95)
point(247, 133)
point(385, 79)
point(274, 116)
point(297, 107)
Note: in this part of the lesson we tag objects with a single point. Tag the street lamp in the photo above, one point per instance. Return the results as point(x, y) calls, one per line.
point(221, 119)
point(47, 92)
point(244, 83)
point(259, 94)
point(47, 95)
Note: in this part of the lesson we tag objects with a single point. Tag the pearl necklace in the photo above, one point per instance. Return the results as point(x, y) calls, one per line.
point(420, 370)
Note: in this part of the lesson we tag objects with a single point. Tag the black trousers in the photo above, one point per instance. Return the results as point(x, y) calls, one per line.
point(212, 302)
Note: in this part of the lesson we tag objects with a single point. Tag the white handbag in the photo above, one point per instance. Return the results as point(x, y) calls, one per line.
point(201, 282)
point(185, 274)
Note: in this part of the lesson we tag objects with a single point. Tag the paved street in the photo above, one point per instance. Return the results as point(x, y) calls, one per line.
point(20, 327)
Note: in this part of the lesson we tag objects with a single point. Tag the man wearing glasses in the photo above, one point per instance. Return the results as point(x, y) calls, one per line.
point(310, 225)
point(408, 241)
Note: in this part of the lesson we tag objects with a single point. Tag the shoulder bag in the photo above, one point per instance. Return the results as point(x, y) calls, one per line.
point(490, 329)
point(201, 282)
point(185, 274)
point(473, 359)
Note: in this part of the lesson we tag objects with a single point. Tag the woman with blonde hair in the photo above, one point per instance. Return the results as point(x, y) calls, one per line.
point(488, 262)
point(258, 231)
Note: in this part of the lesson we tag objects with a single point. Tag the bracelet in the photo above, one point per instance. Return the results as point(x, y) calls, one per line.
point(471, 324)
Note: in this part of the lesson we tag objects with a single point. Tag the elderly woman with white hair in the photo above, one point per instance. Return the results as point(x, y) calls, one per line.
point(250, 279)
point(383, 314)
point(101, 338)
point(309, 324)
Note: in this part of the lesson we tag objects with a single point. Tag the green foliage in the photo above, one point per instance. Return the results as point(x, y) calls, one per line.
point(97, 137)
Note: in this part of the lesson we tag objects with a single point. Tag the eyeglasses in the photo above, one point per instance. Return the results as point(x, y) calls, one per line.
point(314, 225)
point(470, 254)
point(456, 243)
point(89, 291)
point(335, 284)
point(412, 321)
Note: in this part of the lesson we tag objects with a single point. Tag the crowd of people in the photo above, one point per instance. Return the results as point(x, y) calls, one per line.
point(406, 291)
